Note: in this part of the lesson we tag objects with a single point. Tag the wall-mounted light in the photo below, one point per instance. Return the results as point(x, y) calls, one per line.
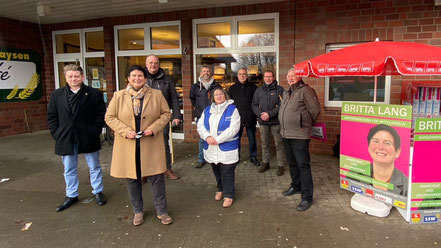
point(162, 1)
point(42, 9)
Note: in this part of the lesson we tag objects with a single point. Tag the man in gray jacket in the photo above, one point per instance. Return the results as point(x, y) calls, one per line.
point(298, 112)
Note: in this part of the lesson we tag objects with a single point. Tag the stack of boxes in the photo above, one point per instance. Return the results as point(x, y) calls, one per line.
point(426, 103)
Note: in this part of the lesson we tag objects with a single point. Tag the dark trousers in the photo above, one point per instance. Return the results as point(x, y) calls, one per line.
point(157, 185)
point(297, 155)
point(225, 178)
point(167, 146)
point(251, 134)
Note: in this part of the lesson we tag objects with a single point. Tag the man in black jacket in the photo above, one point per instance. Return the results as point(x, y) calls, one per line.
point(242, 93)
point(266, 104)
point(76, 119)
point(200, 94)
point(157, 79)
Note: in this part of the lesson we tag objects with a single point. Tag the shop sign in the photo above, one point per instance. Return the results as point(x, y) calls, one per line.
point(426, 172)
point(20, 75)
point(375, 149)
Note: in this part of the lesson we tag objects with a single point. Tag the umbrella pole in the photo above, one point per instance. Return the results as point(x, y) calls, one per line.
point(375, 90)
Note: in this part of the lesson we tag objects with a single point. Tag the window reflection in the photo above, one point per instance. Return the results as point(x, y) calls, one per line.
point(95, 41)
point(165, 37)
point(355, 89)
point(214, 35)
point(225, 66)
point(256, 33)
point(67, 43)
point(131, 39)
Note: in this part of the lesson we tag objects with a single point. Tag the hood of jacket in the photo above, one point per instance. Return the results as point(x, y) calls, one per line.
point(296, 86)
point(220, 108)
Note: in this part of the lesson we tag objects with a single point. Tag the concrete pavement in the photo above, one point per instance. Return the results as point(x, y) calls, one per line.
point(259, 217)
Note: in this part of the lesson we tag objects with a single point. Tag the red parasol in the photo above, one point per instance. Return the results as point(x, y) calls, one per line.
point(377, 58)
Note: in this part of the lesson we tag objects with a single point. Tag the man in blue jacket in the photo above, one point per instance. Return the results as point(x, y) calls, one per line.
point(266, 104)
point(76, 118)
point(200, 94)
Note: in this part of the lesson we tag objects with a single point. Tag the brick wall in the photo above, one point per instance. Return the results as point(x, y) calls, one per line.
point(305, 28)
point(322, 22)
point(22, 35)
point(286, 17)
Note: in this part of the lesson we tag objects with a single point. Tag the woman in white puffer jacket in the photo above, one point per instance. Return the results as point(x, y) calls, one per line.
point(219, 127)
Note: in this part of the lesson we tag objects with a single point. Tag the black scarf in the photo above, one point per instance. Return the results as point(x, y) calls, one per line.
point(73, 98)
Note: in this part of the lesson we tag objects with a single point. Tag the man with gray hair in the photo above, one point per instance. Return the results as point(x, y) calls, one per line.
point(200, 94)
point(299, 111)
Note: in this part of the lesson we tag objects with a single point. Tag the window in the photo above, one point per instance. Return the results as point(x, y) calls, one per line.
point(354, 88)
point(165, 37)
point(225, 66)
point(229, 43)
point(133, 43)
point(84, 47)
point(256, 33)
point(214, 35)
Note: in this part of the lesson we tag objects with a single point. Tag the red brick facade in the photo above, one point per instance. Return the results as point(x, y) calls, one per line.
point(305, 28)
point(26, 36)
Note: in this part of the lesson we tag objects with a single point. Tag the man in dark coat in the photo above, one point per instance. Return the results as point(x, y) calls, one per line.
point(76, 118)
point(266, 104)
point(200, 94)
point(157, 79)
point(242, 93)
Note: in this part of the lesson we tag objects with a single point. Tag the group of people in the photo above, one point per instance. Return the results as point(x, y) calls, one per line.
point(288, 115)
point(140, 114)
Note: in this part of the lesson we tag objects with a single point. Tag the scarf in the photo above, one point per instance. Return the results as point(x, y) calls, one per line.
point(136, 96)
point(206, 84)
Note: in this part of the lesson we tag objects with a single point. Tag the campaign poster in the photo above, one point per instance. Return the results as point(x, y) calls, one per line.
point(20, 74)
point(375, 151)
point(426, 172)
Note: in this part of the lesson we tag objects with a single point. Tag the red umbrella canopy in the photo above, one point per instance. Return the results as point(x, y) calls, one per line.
point(375, 59)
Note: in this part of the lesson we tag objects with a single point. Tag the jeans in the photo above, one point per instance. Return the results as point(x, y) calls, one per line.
point(297, 154)
point(157, 184)
point(167, 146)
point(265, 131)
point(251, 134)
point(71, 173)
point(225, 178)
point(201, 158)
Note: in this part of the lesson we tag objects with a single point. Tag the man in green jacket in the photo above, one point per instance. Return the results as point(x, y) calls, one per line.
point(298, 112)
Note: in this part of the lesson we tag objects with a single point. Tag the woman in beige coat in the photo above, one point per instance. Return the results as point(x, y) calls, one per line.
point(138, 115)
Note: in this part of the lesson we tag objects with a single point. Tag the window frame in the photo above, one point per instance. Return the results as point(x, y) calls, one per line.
point(234, 46)
point(79, 57)
point(338, 104)
point(147, 43)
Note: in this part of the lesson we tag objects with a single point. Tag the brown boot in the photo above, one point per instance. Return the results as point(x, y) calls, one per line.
point(170, 174)
point(280, 170)
point(263, 167)
point(165, 219)
point(138, 219)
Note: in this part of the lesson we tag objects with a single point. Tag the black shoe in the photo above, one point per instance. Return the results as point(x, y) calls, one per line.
point(304, 205)
point(290, 191)
point(69, 201)
point(255, 161)
point(200, 165)
point(100, 199)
